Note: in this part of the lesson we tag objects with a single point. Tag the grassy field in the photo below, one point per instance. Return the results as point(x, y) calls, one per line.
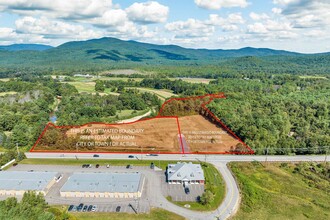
point(84, 86)
point(213, 179)
point(120, 78)
point(135, 162)
point(6, 79)
point(283, 191)
point(129, 113)
point(195, 80)
point(7, 93)
point(161, 93)
point(155, 214)
point(312, 77)
point(89, 87)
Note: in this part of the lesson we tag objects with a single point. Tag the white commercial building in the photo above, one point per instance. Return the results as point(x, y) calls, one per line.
point(185, 173)
point(15, 183)
point(106, 185)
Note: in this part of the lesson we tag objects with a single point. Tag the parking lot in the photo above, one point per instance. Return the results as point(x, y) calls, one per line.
point(154, 190)
point(142, 205)
point(177, 193)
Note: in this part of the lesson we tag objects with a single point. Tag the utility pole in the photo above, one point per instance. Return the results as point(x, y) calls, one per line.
point(266, 154)
point(326, 154)
point(18, 154)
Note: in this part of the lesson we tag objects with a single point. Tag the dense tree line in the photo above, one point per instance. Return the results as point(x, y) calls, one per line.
point(24, 115)
point(283, 113)
point(33, 206)
point(279, 114)
point(83, 108)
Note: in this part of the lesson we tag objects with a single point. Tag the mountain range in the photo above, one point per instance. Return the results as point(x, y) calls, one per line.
point(19, 47)
point(107, 53)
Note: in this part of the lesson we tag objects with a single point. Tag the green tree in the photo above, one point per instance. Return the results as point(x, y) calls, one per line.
point(207, 197)
point(99, 86)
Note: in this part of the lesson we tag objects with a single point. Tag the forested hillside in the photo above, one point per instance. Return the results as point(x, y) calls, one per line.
point(97, 55)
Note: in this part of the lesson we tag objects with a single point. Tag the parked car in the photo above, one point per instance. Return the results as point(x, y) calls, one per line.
point(186, 190)
point(129, 166)
point(74, 209)
point(108, 165)
point(96, 155)
point(15, 164)
point(152, 165)
point(80, 207)
point(89, 208)
point(85, 208)
point(130, 156)
point(70, 208)
point(89, 165)
point(94, 209)
point(97, 165)
point(118, 208)
point(58, 178)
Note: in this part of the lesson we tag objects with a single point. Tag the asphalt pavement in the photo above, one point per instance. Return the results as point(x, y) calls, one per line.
point(232, 199)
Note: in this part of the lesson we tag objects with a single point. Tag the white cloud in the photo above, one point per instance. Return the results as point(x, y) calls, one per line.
point(257, 17)
point(194, 28)
point(306, 14)
point(113, 17)
point(315, 33)
point(54, 29)
point(148, 12)
point(72, 9)
point(276, 10)
point(190, 28)
point(271, 29)
point(217, 4)
point(7, 34)
point(284, 2)
point(217, 20)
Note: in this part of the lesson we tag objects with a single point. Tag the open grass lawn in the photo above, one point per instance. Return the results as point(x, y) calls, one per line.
point(120, 78)
point(161, 93)
point(129, 113)
point(135, 162)
point(213, 179)
point(155, 214)
point(6, 79)
point(84, 86)
point(7, 93)
point(195, 80)
point(312, 77)
point(283, 191)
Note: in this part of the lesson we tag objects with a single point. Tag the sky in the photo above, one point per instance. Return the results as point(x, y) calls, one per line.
point(294, 25)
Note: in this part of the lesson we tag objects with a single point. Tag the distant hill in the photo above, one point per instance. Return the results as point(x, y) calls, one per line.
point(19, 47)
point(110, 53)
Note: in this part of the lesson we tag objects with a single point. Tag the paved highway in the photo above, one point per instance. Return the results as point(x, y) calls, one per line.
point(232, 199)
point(209, 158)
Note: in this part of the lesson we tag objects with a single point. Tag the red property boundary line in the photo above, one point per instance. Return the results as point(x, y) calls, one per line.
point(203, 105)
